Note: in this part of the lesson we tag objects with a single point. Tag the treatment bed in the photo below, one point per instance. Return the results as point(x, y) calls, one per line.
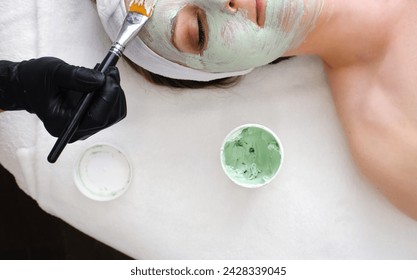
point(180, 204)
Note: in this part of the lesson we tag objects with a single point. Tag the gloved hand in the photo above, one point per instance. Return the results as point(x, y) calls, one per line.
point(51, 89)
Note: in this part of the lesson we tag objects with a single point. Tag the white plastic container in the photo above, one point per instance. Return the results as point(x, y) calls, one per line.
point(103, 172)
point(251, 155)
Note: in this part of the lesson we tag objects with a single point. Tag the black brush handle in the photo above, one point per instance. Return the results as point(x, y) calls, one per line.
point(82, 107)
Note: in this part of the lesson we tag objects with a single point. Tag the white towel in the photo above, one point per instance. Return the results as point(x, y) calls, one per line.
point(180, 204)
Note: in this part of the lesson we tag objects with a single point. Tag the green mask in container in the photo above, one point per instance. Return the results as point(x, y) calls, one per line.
point(251, 155)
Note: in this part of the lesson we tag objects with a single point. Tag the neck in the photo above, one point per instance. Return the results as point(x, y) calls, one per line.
point(348, 32)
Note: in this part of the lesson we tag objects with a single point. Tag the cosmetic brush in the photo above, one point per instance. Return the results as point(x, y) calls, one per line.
point(139, 12)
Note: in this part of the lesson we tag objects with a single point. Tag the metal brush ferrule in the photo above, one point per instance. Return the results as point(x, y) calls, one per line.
point(130, 28)
point(117, 49)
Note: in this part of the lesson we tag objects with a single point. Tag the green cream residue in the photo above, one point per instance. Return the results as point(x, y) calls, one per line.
point(252, 156)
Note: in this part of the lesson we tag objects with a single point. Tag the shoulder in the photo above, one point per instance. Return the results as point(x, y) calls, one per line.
point(377, 107)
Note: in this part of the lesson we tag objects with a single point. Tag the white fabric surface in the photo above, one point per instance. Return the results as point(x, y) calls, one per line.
point(180, 204)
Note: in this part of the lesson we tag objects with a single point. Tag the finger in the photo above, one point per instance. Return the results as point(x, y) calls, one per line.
point(113, 71)
point(78, 78)
point(119, 111)
point(105, 101)
point(109, 107)
point(97, 118)
point(108, 95)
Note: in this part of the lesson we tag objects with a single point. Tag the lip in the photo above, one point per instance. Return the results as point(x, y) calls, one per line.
point(260, 12)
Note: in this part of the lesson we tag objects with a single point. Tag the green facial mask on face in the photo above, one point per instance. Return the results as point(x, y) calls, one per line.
point(234, 41)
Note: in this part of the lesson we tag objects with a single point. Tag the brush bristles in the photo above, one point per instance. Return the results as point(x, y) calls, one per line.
point(144, 7)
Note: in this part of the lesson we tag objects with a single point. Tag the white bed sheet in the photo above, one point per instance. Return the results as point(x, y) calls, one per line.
point(180, 204)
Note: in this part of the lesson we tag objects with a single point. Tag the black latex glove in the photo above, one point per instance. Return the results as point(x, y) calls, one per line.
point(51, 89)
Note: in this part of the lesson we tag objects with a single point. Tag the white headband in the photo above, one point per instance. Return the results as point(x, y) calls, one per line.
point(112, 14)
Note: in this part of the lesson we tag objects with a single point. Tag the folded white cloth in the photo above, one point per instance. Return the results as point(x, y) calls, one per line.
point(180, 204)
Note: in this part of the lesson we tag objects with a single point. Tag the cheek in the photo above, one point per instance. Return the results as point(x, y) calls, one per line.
point(231, 32)
point(227, 34)
point(236, 44)
point(237, 32)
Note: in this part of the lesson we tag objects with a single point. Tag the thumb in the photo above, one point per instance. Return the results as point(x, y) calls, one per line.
point(78, 78)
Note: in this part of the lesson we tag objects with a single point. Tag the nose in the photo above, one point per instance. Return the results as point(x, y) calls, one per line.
point(232, 6)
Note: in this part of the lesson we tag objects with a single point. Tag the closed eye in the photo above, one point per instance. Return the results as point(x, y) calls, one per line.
point(201, 33)
point(189, 30)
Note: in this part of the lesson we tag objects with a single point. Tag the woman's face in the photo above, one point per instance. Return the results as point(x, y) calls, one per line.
point(227, 35)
